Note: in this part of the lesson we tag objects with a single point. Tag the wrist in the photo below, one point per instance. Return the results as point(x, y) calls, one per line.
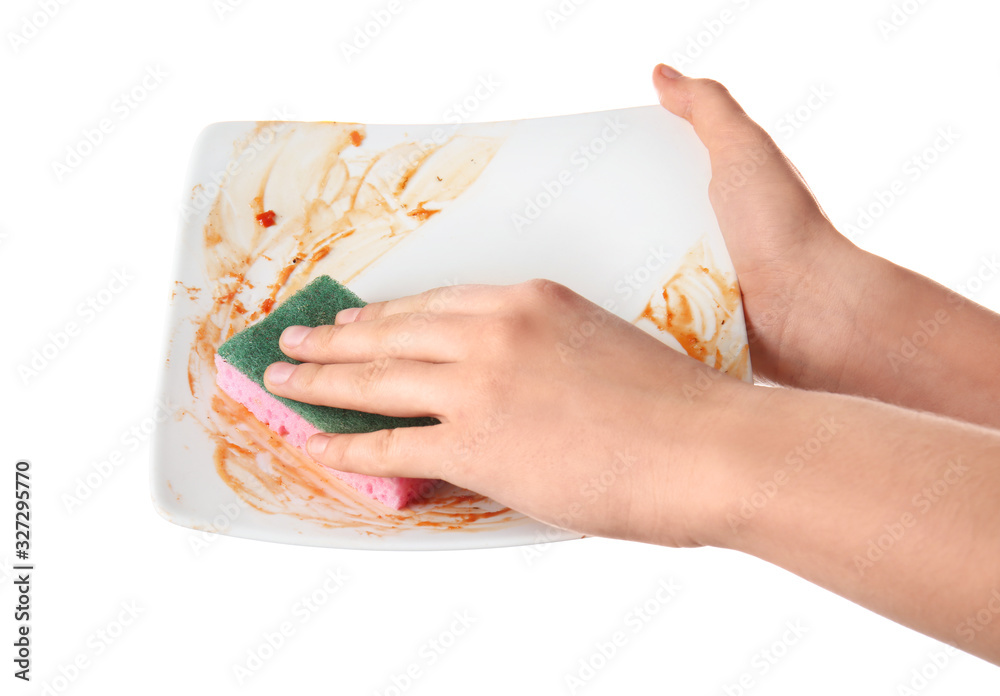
point(771, 438)
point(714, 440)
point(824, 325)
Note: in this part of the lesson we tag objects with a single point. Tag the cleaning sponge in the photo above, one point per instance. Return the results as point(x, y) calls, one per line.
point(241, 362)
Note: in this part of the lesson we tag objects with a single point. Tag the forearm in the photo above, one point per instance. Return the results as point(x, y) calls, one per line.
point(896, 510)
point(871, 328)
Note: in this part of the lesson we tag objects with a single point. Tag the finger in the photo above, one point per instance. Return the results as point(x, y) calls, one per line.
point(409, 452)
point(718, 119)
point(458, 299)
point(386, 386)
point(740, 150)
point(409, 336)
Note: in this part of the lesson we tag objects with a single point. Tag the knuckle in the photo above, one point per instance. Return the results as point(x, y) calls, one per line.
point(372, 310)
point(385, 445)
point(323, 337)
point(549, 290)
point(435, 301)
point(449, 295)
point(394, 332)
point(709, 85)
point(536, 286)
point(396, 322)
point(370, 378)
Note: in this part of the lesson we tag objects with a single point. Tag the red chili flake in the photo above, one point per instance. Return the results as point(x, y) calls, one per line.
point(266, 219)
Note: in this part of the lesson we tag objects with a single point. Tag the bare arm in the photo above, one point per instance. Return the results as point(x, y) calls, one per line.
point(896, 509)
point(824, 314)
point(899, 510)
point(892, 508)
point(906, 340)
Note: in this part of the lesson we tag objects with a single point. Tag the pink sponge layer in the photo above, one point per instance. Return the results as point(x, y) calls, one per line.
point(394, 492)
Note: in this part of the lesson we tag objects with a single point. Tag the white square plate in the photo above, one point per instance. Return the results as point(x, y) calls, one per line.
point(612, 204)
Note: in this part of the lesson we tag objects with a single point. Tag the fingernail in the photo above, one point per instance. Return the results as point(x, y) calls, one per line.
point(346, 316)
point(293, 336)
point(669, 72)
point(316, 445)
point(278, 373)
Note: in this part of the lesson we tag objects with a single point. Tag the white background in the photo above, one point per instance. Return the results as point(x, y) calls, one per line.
point(200, 612)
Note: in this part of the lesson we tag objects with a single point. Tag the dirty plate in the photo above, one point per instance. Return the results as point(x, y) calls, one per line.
point(612, 204)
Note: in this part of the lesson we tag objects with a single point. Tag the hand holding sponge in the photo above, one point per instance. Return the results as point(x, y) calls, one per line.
point(241, 362)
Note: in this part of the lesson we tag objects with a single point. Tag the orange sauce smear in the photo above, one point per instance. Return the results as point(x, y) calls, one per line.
point(686, 322)
point(262, 469)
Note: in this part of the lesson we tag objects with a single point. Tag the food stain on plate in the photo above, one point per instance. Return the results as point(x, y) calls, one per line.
point(699, 306)
point(330, 207)
point(298, 200)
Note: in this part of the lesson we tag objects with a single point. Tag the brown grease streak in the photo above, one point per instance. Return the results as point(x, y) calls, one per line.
point(700, 329)
point(260, 467)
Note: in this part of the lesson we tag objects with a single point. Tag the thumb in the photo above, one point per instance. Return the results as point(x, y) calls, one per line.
point(747, 165)
point(718, 119)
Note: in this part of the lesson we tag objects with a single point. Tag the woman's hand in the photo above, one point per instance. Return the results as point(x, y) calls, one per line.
point(793, 265)
point(559, 409)
point(822, 313)
point(548, 403)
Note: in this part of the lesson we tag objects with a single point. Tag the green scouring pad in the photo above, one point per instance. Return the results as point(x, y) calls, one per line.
point(253, 349)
